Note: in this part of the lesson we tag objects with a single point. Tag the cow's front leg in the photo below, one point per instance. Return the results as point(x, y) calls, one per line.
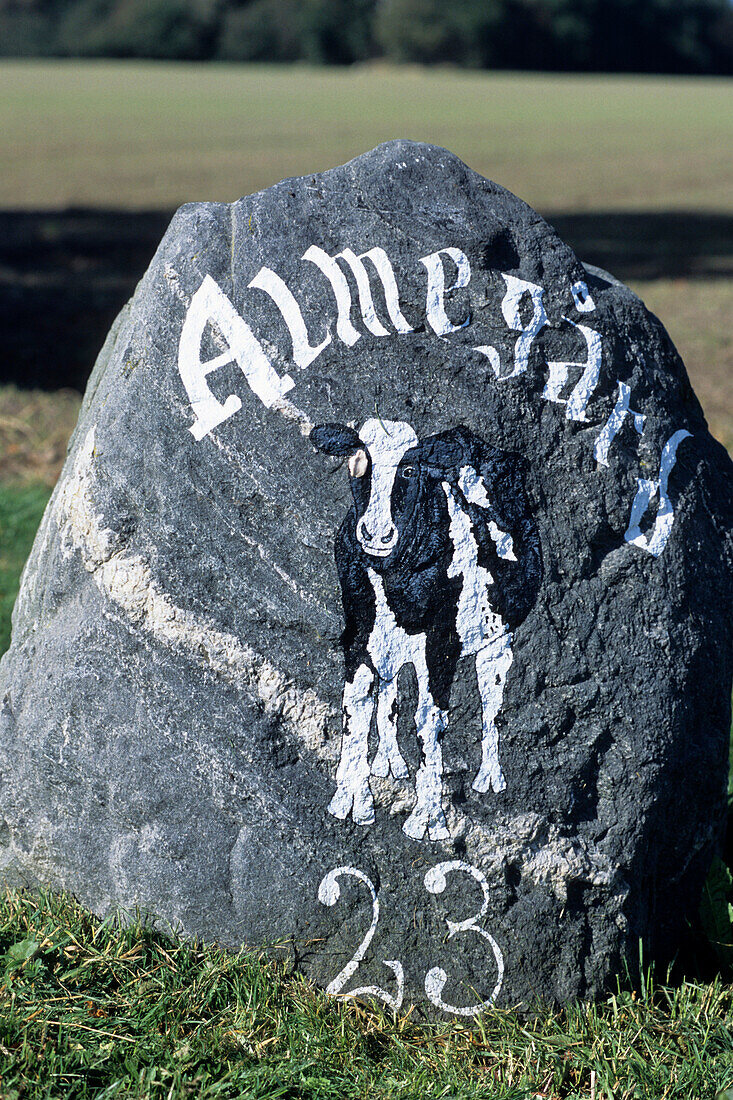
point(492, 665)
point(388, 757)
point(353, 794)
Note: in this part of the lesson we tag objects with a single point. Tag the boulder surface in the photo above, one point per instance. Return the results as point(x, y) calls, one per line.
point(383, 608)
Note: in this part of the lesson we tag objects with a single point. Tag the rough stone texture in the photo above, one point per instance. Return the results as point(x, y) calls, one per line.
point(171, 702)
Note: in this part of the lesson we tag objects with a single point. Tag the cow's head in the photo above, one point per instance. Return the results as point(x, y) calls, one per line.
point(382, 482)
point(395, 480)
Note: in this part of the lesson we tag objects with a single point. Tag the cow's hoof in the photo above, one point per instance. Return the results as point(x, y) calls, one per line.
point(414, 827)
point(418, 824)
point(383, 764)
point(487, 780)
point(339, 806)
point(342, 803)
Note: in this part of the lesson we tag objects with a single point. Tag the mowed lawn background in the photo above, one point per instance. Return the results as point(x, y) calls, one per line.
point(637, 174)
point(149, 135)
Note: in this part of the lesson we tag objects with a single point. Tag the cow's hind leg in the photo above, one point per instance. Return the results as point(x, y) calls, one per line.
point(428, 814)
point(492, 665)
point(430, 721)
point(353, 794)
point(388, 757)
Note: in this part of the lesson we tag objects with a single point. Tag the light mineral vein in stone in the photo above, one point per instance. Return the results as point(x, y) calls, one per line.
point(127, 581)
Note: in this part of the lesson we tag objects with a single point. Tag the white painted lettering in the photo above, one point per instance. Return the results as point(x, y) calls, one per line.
point(437, 290)
point(582, 298)
point(515, 291)
point(492, 355)
point(303, 352)
point(581, 394)
point(210, 305)
point(435, 882)
point(384, 270)
point(435, 979)
point(647, 490)
point(330, 268)
point(614, 423)
point(329, 892)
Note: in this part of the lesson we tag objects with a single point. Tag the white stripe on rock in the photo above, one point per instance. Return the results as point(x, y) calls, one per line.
point(126, 580)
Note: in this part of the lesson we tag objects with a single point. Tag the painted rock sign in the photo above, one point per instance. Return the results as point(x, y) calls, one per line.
point(383, 606)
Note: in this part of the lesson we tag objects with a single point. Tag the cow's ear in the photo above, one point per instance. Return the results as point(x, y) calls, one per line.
point(335, 439)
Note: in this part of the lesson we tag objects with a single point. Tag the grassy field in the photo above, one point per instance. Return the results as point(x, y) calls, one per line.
point(89, 1009)
point(156, 135)
point(97, 1010)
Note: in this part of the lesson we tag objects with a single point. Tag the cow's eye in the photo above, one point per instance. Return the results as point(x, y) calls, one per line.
point(408, 471)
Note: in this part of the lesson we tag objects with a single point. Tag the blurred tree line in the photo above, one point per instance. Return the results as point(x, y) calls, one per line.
point(673, 36)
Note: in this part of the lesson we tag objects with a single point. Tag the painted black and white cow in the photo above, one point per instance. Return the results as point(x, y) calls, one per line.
point(438, 557)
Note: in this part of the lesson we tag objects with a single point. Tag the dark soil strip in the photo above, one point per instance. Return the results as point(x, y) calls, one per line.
point(64, 275)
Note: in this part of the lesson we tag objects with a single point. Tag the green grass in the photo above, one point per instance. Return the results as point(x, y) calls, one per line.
point(93, 1009)
point(146, 134)
point(21, 508)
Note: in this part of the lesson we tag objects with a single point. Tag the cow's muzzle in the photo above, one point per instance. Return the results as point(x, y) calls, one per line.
point(380, 544)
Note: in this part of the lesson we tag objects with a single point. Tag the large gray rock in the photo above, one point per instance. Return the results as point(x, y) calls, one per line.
point(434, 481)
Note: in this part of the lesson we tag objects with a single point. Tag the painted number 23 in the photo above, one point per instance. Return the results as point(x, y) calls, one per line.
point(329, 892)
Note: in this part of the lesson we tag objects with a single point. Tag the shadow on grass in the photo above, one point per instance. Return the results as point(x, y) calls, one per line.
point(64, 275)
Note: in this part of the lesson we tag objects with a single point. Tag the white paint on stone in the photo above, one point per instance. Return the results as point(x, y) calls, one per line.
point(304, 353)
point(655, 542)
point(582, 298)
point(387, 441)
point(237, 343)
point(353, 793)
point(435, 299)
point(473, 488)
point(388, 760)
point(391, 648)
point(493, 662)
point(482, 632)
point(436, 978)
point(492, 355)
point(210, 306)
point(581, 394)
point(614, 423)
point(280, 404)
point(476, 622)
point(434, 881)
point(385, 271)
point(340, 286)
point(510, 308)
point(329, 892)
point(342, 293)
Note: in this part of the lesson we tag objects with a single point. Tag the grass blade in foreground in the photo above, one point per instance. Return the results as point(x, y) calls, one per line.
point(91, 1009)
